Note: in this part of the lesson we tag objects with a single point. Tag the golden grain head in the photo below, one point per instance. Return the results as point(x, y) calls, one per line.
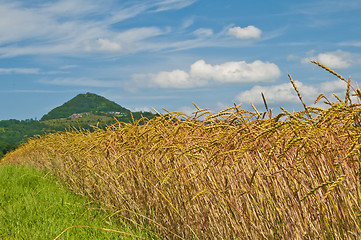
point(236, 175)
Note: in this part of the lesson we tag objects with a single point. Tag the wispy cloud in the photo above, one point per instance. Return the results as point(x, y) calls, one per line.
point(82, 81)
point(108, 45)
point(351, 43)
point(19, 70)
point(187, 22)
point(203, 32)
point(316, 8)
point(65, 67)
point(36, 91)
point(165, 5)
point(75, 26)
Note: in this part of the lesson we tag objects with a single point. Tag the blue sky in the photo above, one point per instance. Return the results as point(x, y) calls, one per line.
point(169, 53)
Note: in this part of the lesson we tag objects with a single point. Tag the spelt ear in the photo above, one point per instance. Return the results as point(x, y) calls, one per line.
point(264, 101)
point(358, 93)
point(299, 96)
point(330, 70)
point(319, 98)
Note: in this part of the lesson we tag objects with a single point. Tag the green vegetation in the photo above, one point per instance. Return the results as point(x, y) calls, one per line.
point(6, 147)
point(85, 103)
point(90, 119)
point(12, 132)
point(33, 205)
point(93, 110)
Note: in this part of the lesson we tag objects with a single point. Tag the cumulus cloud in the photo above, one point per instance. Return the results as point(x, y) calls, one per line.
point(245, 33)
point(337, 59)
point(202, 74)
point(173, 79)
point(284, 94)
point(333, 86)
point(236, 72)
point(187, 110)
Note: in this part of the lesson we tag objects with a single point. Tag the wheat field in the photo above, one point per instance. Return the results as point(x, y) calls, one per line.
point(235, 174)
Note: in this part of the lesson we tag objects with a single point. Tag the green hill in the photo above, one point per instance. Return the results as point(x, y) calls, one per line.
point(86, 103)
point(81, 112)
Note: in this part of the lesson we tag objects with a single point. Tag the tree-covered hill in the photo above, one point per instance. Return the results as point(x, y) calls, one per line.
point(85, 103)
point(13, 131)
point(81, 112)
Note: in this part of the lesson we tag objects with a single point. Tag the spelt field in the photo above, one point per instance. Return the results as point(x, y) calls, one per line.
point(234, 175)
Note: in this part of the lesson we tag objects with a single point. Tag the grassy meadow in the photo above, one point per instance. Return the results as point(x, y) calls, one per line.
point(33, 205)
point(234, 175)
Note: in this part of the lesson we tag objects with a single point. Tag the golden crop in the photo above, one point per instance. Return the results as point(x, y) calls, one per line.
point(235, 175)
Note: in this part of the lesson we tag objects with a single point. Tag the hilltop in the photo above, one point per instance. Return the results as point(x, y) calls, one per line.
point(81, 112)
point(86, 103)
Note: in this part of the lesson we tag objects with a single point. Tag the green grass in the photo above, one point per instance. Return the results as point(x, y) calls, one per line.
point(34, 205)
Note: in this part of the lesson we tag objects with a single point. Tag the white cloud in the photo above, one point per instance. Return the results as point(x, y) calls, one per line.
point(236, 72)
point(173, 79)
point(189, 111)
point(137, 34)
point(337, 59)
point(333, 86)
point(88, 82)
point(71, 7)
point(142, 109)
point(351, 43)
point(34, 91)
point(245, 33)
point(283, 94)
point(202, 74)
point(68, 66)
point(19, 70)
point(107, 45)
point(12, 19)
point(165, 5)
point(126, 42)
point(203, 32)
point(74, 26)
point(292, 57)
point(187, 22)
